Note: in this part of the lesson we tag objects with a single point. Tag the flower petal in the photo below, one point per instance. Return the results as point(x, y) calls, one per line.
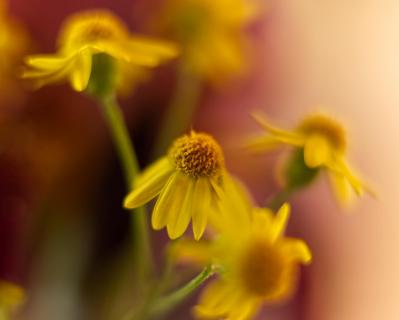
point(317, 151)
point(280, 222)
point(201, 206)
point(81, 71)
point(282, 136)
point(148, 186)
point(181, 211)
point(297, 250)
point(216, 300)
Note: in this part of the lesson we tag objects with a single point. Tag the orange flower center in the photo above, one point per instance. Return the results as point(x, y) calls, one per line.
point(264, 269)
point(197, 155)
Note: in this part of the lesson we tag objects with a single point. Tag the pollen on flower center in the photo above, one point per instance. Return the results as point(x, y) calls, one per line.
point(197, 155)
point(326, 127)
point(263, 269)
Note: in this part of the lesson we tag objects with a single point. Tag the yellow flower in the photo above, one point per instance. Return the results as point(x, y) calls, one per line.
point(258, 264)
point(323, 141)
point(87, 34)
point(210, 33)
point(190, 182)
point(11, 297)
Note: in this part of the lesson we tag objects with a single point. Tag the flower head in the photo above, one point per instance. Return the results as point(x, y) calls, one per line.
point(11, 297)
point(190, 181)
point(258, 264)
point(323, 143)
point(210, 34)
point(87, 34)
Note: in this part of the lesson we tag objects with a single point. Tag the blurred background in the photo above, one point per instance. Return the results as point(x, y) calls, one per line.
point(63, 232)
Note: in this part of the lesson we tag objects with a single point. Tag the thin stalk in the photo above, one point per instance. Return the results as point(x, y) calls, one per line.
point(170, 301)
point(128, 158)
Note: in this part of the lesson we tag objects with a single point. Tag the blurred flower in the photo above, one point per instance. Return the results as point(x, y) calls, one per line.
point(210, 34)
point(11, 297)
point(258, 264)
point(323, 142)
point(88, 34)
point(191, 179)
point(13, 43)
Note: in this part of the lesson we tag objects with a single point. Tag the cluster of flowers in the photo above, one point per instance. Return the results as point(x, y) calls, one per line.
point(244, 245)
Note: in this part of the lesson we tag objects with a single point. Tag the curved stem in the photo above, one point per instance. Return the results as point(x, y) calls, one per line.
point(127, 156)
point(180, 111)
point(170, 301)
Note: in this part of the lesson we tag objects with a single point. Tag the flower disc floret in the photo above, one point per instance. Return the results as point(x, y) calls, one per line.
point(197, 155)
point(263, 269)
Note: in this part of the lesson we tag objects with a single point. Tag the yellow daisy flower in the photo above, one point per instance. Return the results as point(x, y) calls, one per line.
point(323, 142)
point(87, 34)
point(210, 33)
point(11, 297)
point(190, 181)
point(258, 264)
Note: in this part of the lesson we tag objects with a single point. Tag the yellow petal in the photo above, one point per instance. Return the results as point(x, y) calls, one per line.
point(201, 206)
point(341, 187)
point(297, 250)
point(245, 309)
point(160, 165)
point(181, 213)
point(168, 207)
point(317, 151)
point(193, 252)
point(159, 48)
point(280, 222)
point(282, 136)
point(81, 71)
point(262, 143)
point(148, 185)
point(216, 300)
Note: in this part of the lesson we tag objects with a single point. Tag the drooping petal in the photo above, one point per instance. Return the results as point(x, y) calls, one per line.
point(181, 212)
point(216, 300)
point(193, 252)
point(283, 136)
point(280, 222)
point(245, 309)
point(262, 143)
point(148, 185)
point(297, 250)
point(165, 202)
point(201, 206)
point(81, 71)
point(317, 151)
point(158, 167)
point(341, 187)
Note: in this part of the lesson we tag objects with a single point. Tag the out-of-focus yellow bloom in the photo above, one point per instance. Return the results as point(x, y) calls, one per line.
point(190, 182)
point(323, 141)
point(258, 263)
point(11, 297)
point(211, 34)
point(13, 43)
point(89, 33)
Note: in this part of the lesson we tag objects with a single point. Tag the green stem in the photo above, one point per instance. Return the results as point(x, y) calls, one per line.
point(127, 156)
point(170, 301)
point(280, 198)
point(180, 112)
